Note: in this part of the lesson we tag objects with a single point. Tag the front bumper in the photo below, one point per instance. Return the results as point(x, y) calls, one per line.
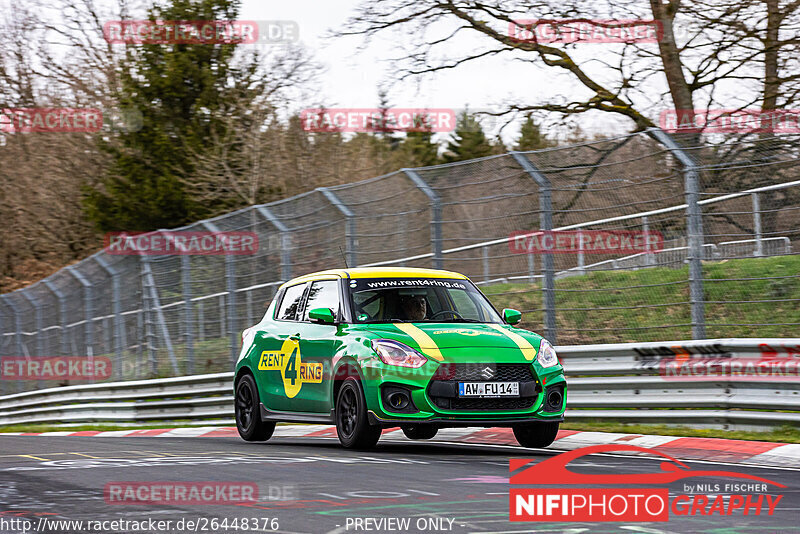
point(436, 401)
point(458, 422)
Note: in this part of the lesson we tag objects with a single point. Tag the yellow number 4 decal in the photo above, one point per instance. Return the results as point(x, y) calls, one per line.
point(294, 371)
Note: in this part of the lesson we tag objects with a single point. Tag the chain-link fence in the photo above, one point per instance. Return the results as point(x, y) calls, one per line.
point(727, 210)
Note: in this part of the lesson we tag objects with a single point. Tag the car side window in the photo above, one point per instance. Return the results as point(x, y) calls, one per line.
point(323, 294)
point(290, 304)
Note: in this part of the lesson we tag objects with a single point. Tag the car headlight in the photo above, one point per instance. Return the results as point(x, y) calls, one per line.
point(395, 353)
point(547, 354)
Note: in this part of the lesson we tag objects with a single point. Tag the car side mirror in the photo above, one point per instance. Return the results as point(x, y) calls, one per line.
point(512, 317)
point(322, 315)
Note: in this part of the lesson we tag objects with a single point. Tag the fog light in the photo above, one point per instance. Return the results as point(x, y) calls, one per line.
point(398, 400)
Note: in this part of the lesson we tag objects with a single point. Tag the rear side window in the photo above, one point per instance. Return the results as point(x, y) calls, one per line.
point(292, 298)
point(323, 294)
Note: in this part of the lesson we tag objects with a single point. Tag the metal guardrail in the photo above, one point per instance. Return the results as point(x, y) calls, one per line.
point(619, 381)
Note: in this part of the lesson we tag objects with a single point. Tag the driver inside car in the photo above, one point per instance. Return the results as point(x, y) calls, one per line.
point(414, 307)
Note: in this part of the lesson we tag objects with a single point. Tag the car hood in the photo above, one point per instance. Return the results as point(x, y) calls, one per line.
point(438, 336)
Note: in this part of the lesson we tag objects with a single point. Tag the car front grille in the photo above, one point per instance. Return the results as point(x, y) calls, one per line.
point(477, 372)
point(499, 404)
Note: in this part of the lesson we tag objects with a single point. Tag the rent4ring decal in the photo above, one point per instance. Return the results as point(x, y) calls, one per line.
point(294, 371)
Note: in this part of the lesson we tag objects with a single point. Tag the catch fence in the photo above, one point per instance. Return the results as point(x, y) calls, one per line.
point(728, 209)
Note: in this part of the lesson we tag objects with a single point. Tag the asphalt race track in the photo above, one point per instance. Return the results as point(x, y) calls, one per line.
point(315, 486)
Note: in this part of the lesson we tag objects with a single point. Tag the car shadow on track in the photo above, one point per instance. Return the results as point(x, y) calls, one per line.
point(430, 448)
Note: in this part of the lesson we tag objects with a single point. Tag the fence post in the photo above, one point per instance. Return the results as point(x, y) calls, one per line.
point(88, 313)
point(149, 286)
point(3, 334)
point(20, 349)
point(116, 308)
point(147, 321)
point(37, 312)
point(531, 268)
point(350, 225)
point(201, 320)
point(546, 224)
point(436, 214)
point(286, 241)
point(62, 312)
point(229, 314)
point(759, 251)
point(694, 226)
point(188, 312)
point(648, 256)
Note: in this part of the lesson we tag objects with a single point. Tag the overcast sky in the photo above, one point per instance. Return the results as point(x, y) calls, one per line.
point(352, 76)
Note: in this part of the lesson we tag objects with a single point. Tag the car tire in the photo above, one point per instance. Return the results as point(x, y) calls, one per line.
point(536, 435)
point(352, 426)
point(247, 408)
point(419, 431)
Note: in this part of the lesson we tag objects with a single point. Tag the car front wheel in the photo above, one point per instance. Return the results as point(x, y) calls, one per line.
point(536, 435)
point(248, 412)
point(352, 425)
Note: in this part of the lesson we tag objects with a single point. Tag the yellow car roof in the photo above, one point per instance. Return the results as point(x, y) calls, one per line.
point(376, 272)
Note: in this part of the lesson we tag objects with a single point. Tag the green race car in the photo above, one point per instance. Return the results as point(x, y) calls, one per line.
point(372, 348)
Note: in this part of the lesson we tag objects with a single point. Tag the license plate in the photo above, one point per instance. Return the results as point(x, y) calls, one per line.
point(488, 389)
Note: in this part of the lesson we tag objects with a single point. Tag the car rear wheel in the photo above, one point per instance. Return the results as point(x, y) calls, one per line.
point(248, 412)
point(419, 431)
point(352, 425)
point(536, 435)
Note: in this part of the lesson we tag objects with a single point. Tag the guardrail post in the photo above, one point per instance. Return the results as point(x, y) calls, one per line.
point(759, 251)
point(116, 304)
point(694, 226)
point(229, 314)
point(286, 241)
point(20, 348)
point(149, 286)
point(88, 314)
point(350, 225)
point(188, 311)
point(485, 255)
point(436, 214)
point(545, 224)
point(581, 259)
point(37, 312)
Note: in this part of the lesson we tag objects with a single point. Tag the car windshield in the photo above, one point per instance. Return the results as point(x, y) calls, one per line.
point(419, 300)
